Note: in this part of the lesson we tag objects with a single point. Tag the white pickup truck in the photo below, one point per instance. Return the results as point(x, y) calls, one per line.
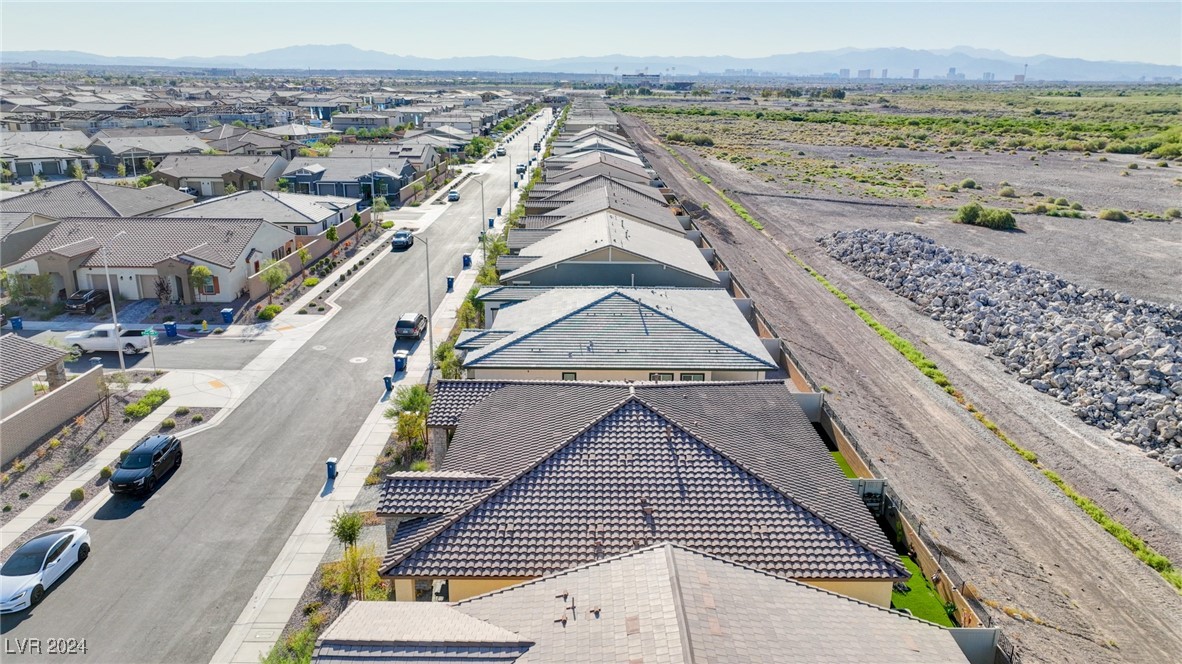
point(104, 337)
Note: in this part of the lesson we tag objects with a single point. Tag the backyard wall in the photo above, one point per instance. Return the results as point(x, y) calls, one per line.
point(317, 245)
point(24, 427)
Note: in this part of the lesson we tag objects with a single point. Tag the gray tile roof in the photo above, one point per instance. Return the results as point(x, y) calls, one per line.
point(592, 471)
point(347, 169)
point(604, 199)
point(134, 202)
point(452, 397)
point(432, 493)
point(621, 328)
point(620, 166)
point(10, 220)
point(569, 190)
point(519, 238)
point(215, 166)
point(95, 199)
point(42, 152)
point(152, 144)
point(57, 139)
point(150, 240)
point(604, 229)
point(668, 603)
point(275, 207)
point(21, 358)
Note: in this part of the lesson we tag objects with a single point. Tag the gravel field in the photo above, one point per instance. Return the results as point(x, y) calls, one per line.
point(1010, 531)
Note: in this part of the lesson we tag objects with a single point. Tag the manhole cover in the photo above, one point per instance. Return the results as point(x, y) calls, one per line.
point(319, 347)
point(359, 360)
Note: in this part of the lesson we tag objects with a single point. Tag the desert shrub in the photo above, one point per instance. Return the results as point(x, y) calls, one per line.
point(1131, 167)
point(183, 410)
point(1173, 213)
point(123, 454)
point(387, 225)
point(42, 478)
point(1102, 159)
point(968, 183)
point(1113, 215)
point(420, 466)
point(198, 418)
point(55, 443)
point(1061, 202)
point(155, 397)
point(269, 312)
point(1077, 206)
point(310, 282)
point(77, 494)
point(1007, 192)
point(168, 423)
point(312, 607)
point(975, 214)
point(105, 472)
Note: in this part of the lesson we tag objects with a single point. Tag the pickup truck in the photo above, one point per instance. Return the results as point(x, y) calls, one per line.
point(104, 337)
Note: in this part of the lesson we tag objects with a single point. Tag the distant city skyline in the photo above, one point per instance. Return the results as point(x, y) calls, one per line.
point(1086, 30)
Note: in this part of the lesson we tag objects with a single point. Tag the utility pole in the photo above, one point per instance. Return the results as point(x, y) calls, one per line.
point(113, 298)
point(430, 330)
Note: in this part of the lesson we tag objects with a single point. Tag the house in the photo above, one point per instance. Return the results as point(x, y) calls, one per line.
point(229, 139)
point(300, 133)
point(596, 163)
point(143, 250)
point(214, 175)
point(619, 200)
point(27, 160)
point(422, 156)
point(593, 140)
point(68, 140)
point(24, 360)
point(349, 177)
point(90, 198)
point(669, 334)
point(366, 121)
point(661, 603)
point(133, 150)
point(549, 195)
point(606, 249)
point(544, 476)
point(302, 214)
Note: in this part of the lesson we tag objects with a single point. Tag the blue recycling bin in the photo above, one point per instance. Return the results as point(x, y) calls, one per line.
point(18, 323)
point(330, 466)
point(389, 381)
point(227, 315)
point(400, 359)
point(515, 184)
point(170, 329)
point(490, 222)
point(451, 283)
point(467, 259)
point(498, 212)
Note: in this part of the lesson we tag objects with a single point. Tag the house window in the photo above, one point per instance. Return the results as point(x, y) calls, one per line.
point(693, 376)
point(569, 375)
point(301, 230)
point(207, 287)
point(660, 376)
point(277, 254)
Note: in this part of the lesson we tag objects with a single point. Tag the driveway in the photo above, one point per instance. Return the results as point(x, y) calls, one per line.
point(168, 575)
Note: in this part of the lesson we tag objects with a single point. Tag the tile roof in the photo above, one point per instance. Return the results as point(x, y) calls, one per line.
point(301, 130)
point(215, 166)
point(668, 603)
point(346, 169)
point(149, 240)
point(451, 398)
point(76, 198)
point(604, 229)
point(618, 328)
point(55, 139)
point(10, 220)
point(557, 169)
point(568, 190)
point(431, 493)
point(275, 207)
point(21, 358)
point(42, 152)
point(412, 623)
point(151, 144)
point(627, 203)
point(592, 471)
point(133, 202)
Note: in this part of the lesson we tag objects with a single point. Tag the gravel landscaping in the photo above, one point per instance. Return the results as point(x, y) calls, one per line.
point(1115, 361)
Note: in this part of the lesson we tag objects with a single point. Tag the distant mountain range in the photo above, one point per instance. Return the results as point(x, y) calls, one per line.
point(899, 63)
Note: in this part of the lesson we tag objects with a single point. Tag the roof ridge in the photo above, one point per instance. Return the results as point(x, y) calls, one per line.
point(678, 603)
point(480, 356)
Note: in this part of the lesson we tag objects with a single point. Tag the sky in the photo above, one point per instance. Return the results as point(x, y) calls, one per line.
point(1126, 31)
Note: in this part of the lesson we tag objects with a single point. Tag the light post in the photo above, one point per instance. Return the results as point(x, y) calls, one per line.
point(483, 216)
point(111, 292)
point(430, 331)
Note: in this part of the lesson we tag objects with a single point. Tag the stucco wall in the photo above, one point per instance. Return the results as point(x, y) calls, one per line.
point(23, 427)
point(605, 374)
point(16, 396)
point(874, 592)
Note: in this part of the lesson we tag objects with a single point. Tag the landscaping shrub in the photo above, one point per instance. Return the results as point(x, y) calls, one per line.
point(137, 410)
point(146, 404)
point(77, 494)
point(168, 423)
point(1061, 202)
point(198, 418)
point(387, 225)
point(1077, 206)
point(310, 282)
point(1131, 167)
point(975, 214)
point(269, 312)
point(105, 472)
point(1113, 215)
point(1007, 192)
point(183, 410)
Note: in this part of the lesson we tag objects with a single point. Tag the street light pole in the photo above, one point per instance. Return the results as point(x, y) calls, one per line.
point(430, 331)
point(483, 216)
point(114, 315)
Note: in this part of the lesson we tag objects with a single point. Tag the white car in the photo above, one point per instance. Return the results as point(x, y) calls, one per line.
point(38, 564)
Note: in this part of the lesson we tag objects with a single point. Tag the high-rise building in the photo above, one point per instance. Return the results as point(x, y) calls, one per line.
point(884, 73)
point(915, 73)
point(987, 76)
point(843, 73)
point(864, 73)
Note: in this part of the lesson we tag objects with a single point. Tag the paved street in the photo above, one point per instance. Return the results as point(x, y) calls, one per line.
point(175, 353)
point(169, 575)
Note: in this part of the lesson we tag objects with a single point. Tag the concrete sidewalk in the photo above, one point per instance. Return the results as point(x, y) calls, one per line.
point(277, 596)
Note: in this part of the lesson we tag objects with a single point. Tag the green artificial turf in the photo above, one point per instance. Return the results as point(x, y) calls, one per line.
point(922, 600)
point(843, 464)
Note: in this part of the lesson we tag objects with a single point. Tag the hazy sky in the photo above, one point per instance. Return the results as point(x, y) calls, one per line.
point(1141, 31)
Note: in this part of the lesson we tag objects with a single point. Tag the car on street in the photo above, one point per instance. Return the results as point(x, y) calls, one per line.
point(410, 326)
point(87, 300)
point(521, 169)
point(146, 463)
point(38, 564)
point(106, 337)
point(453, 195)
point(500, 151)
point(402, 239)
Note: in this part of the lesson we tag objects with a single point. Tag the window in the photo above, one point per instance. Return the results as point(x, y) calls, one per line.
point(207, 288)
point(569, 375)
point(301, 230)
point(693, 376)
point(660, 376)
point(58, 549)
point(277, 254)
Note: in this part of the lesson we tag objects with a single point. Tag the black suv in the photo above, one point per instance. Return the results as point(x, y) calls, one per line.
point(87, 300)
point(145, 464)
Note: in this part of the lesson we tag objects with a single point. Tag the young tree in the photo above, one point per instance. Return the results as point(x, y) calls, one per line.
point(304, 256)
point(149, 165)
point(282, 183)
point(198, 276)
point(346, 527)
point(163, 290)
point(411, 429)
point(238, 123)
point(379, 206)
point(331, 235)
point(77, 172)
point(414, 398)
point(274, 274)
point(121, 170)
point(41, 287)
point(357, 219)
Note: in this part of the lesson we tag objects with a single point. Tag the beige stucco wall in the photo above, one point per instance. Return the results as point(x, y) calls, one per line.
point(16, 396)
point(458, 589)
point(605, 374)
point(23, 427)
point(875, 591)
point(124, 280)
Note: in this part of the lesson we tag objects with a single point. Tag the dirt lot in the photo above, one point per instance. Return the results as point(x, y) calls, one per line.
point(1018, 538)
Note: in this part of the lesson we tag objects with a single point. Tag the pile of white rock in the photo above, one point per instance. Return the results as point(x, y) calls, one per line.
point(1114, 360)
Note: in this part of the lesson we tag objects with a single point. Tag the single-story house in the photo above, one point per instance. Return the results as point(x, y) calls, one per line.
point(22, 361)
point(619, 200)
point(134, 150)
point(668, 334)
point(27, 160)
point(546, 196)
point(349, 177)
point(662, 603)
point(212, 175)
point(143, 250)
point(539, 477)
point(596, 163)
point(422, 156)
point(68, 140)
point(229, 139)
point(301, 133)
point(302, 214)
point(606, 249)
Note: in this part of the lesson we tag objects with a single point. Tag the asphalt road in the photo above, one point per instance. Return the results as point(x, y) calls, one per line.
point(229, 353)
point(168, 575)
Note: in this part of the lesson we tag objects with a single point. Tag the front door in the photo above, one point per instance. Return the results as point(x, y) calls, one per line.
point(206, 188)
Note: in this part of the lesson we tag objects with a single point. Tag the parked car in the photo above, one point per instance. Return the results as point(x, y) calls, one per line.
point(87, 300)
point(453, 195)
point(106, 337)
point(402, 239)
point(410, 326)
point(537, 146)
point(38, 564)
point(521, 169)
point(150, 460)
point(500, 151)
point(188, 190)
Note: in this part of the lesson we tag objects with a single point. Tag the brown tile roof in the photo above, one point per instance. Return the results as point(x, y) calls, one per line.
point(21, 358)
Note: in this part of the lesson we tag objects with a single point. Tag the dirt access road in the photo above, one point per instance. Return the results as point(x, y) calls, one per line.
point(1013, 534)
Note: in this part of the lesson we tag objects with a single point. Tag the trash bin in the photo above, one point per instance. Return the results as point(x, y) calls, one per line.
point(389, 381)
point(18, 323)
point(400, 358)
point(498, 212)
point(490, 222)
point(467, 259)
point(515, 184)
point(170, 329)
point(451, 283)
point(227, 315)
point(330, 465)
